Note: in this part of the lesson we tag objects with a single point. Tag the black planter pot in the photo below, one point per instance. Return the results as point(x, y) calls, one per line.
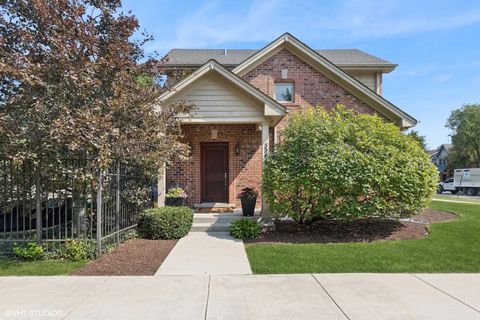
point(175, 202)
point(248, 206)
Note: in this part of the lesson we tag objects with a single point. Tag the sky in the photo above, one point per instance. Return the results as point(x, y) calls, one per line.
point(435, 43)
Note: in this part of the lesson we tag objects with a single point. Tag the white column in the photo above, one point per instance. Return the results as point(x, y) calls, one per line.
point(266, 213)
point(265, 139)
point(162, 187)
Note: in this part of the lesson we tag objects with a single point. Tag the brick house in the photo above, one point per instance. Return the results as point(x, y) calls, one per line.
point(243, 99)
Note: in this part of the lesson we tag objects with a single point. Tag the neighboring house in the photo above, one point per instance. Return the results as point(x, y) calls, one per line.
point(439, 157)
point(243, 99)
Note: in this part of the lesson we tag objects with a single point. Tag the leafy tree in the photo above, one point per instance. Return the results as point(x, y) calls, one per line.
point(74, 84)
point(420, 139)
point(465, 126)
point(345, 165)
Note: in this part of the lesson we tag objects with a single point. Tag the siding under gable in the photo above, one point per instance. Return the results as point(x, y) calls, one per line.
point(214, 97)
point(368, 78)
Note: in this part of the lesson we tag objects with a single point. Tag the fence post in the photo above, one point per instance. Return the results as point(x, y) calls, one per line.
point(38, 210)
point(99, 214)
point(117, 209)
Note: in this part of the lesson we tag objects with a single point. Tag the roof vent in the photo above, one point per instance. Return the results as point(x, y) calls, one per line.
point(225, 52)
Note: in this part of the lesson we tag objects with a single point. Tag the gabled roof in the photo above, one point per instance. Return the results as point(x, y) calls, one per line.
point(274, 108)
point(330, 70)
point(446, 146)
point(432, 153)
point(344, 58)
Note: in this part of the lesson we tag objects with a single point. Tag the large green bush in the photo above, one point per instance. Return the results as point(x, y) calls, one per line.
point(344, 165)
point(165, 223)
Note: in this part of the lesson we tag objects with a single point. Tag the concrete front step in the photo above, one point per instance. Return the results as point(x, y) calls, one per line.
point(210, 227)
point(218, 207)
point(216, 222)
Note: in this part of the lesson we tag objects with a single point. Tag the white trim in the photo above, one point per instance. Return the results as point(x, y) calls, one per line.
point(266, 213)
point(220, 119)
point(161, 187)
point(379, 83)
point(330, 70)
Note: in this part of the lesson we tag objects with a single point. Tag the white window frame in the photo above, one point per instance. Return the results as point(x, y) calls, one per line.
point(285, 83)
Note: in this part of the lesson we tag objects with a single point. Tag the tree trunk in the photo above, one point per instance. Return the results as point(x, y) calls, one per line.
point(79, 209)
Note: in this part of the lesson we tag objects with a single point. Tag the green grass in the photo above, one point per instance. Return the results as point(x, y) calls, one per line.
point(456, 198)
point(452, 246)
point(11, 267)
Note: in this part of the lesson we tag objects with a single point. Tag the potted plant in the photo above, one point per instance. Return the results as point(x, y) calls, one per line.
point(175, 197)
point(248, 198)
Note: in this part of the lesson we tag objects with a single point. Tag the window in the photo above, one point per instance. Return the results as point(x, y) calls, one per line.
point(284, 92)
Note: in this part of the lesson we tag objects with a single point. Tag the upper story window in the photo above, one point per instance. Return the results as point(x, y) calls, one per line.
point(284, 92)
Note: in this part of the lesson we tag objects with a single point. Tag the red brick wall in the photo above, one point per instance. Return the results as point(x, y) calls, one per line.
point(244, 170)
point(311, 87)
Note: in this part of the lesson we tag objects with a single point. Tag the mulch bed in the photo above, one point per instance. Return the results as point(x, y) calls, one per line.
point(360, 230)
point(135, 257)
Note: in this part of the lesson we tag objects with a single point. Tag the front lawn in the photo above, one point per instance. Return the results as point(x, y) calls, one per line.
point(461, 198)
point(452, 246)
point(10, 267)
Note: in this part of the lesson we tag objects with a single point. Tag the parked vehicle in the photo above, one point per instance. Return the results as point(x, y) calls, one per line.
point(447, 185)
point(467, 181)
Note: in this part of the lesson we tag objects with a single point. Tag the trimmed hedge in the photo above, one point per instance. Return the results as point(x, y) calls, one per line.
point(165, 223)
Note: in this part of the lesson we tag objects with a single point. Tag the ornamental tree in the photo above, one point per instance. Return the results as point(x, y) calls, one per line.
point(465, 126)
point(73, 83)
point(345, 165)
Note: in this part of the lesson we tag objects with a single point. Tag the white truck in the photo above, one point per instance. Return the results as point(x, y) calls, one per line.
point(447, 185)
point(467, 181)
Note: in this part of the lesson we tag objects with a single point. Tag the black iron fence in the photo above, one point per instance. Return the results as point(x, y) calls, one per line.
point(52, 202)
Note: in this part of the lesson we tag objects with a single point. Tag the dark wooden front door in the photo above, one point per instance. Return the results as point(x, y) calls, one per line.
point(214, 172)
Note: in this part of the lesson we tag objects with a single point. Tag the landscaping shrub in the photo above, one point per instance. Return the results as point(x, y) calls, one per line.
point(78, 250)
point(344, 165)
point(31, 251)
point(244, 229)
point(165, 223)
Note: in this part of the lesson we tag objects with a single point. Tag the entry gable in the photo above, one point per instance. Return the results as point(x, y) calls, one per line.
point(222, 97)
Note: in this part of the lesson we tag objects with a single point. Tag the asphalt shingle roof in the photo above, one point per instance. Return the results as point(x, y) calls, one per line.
point(233, 57)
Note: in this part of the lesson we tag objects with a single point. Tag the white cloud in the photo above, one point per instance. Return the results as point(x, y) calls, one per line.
point(215, 24)
point(443, 72)
point(443, 77)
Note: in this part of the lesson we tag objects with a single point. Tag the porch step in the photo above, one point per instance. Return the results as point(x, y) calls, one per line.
point(208, 207)
point(217, 222)
point(210, 227)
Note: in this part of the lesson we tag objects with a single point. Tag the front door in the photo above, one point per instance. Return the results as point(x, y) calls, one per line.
point(214, 172)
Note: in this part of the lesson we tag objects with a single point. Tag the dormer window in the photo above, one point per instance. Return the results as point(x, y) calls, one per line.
point(284, 92)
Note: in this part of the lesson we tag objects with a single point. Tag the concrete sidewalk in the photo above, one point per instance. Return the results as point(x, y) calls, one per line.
point(322, 296)
point(206, 253)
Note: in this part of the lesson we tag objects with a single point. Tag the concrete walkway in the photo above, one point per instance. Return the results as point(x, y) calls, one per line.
point(206, 253)
point(317, 296)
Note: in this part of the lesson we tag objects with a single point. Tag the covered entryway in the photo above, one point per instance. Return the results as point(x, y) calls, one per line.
point(214, 172)
point(229, 135)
